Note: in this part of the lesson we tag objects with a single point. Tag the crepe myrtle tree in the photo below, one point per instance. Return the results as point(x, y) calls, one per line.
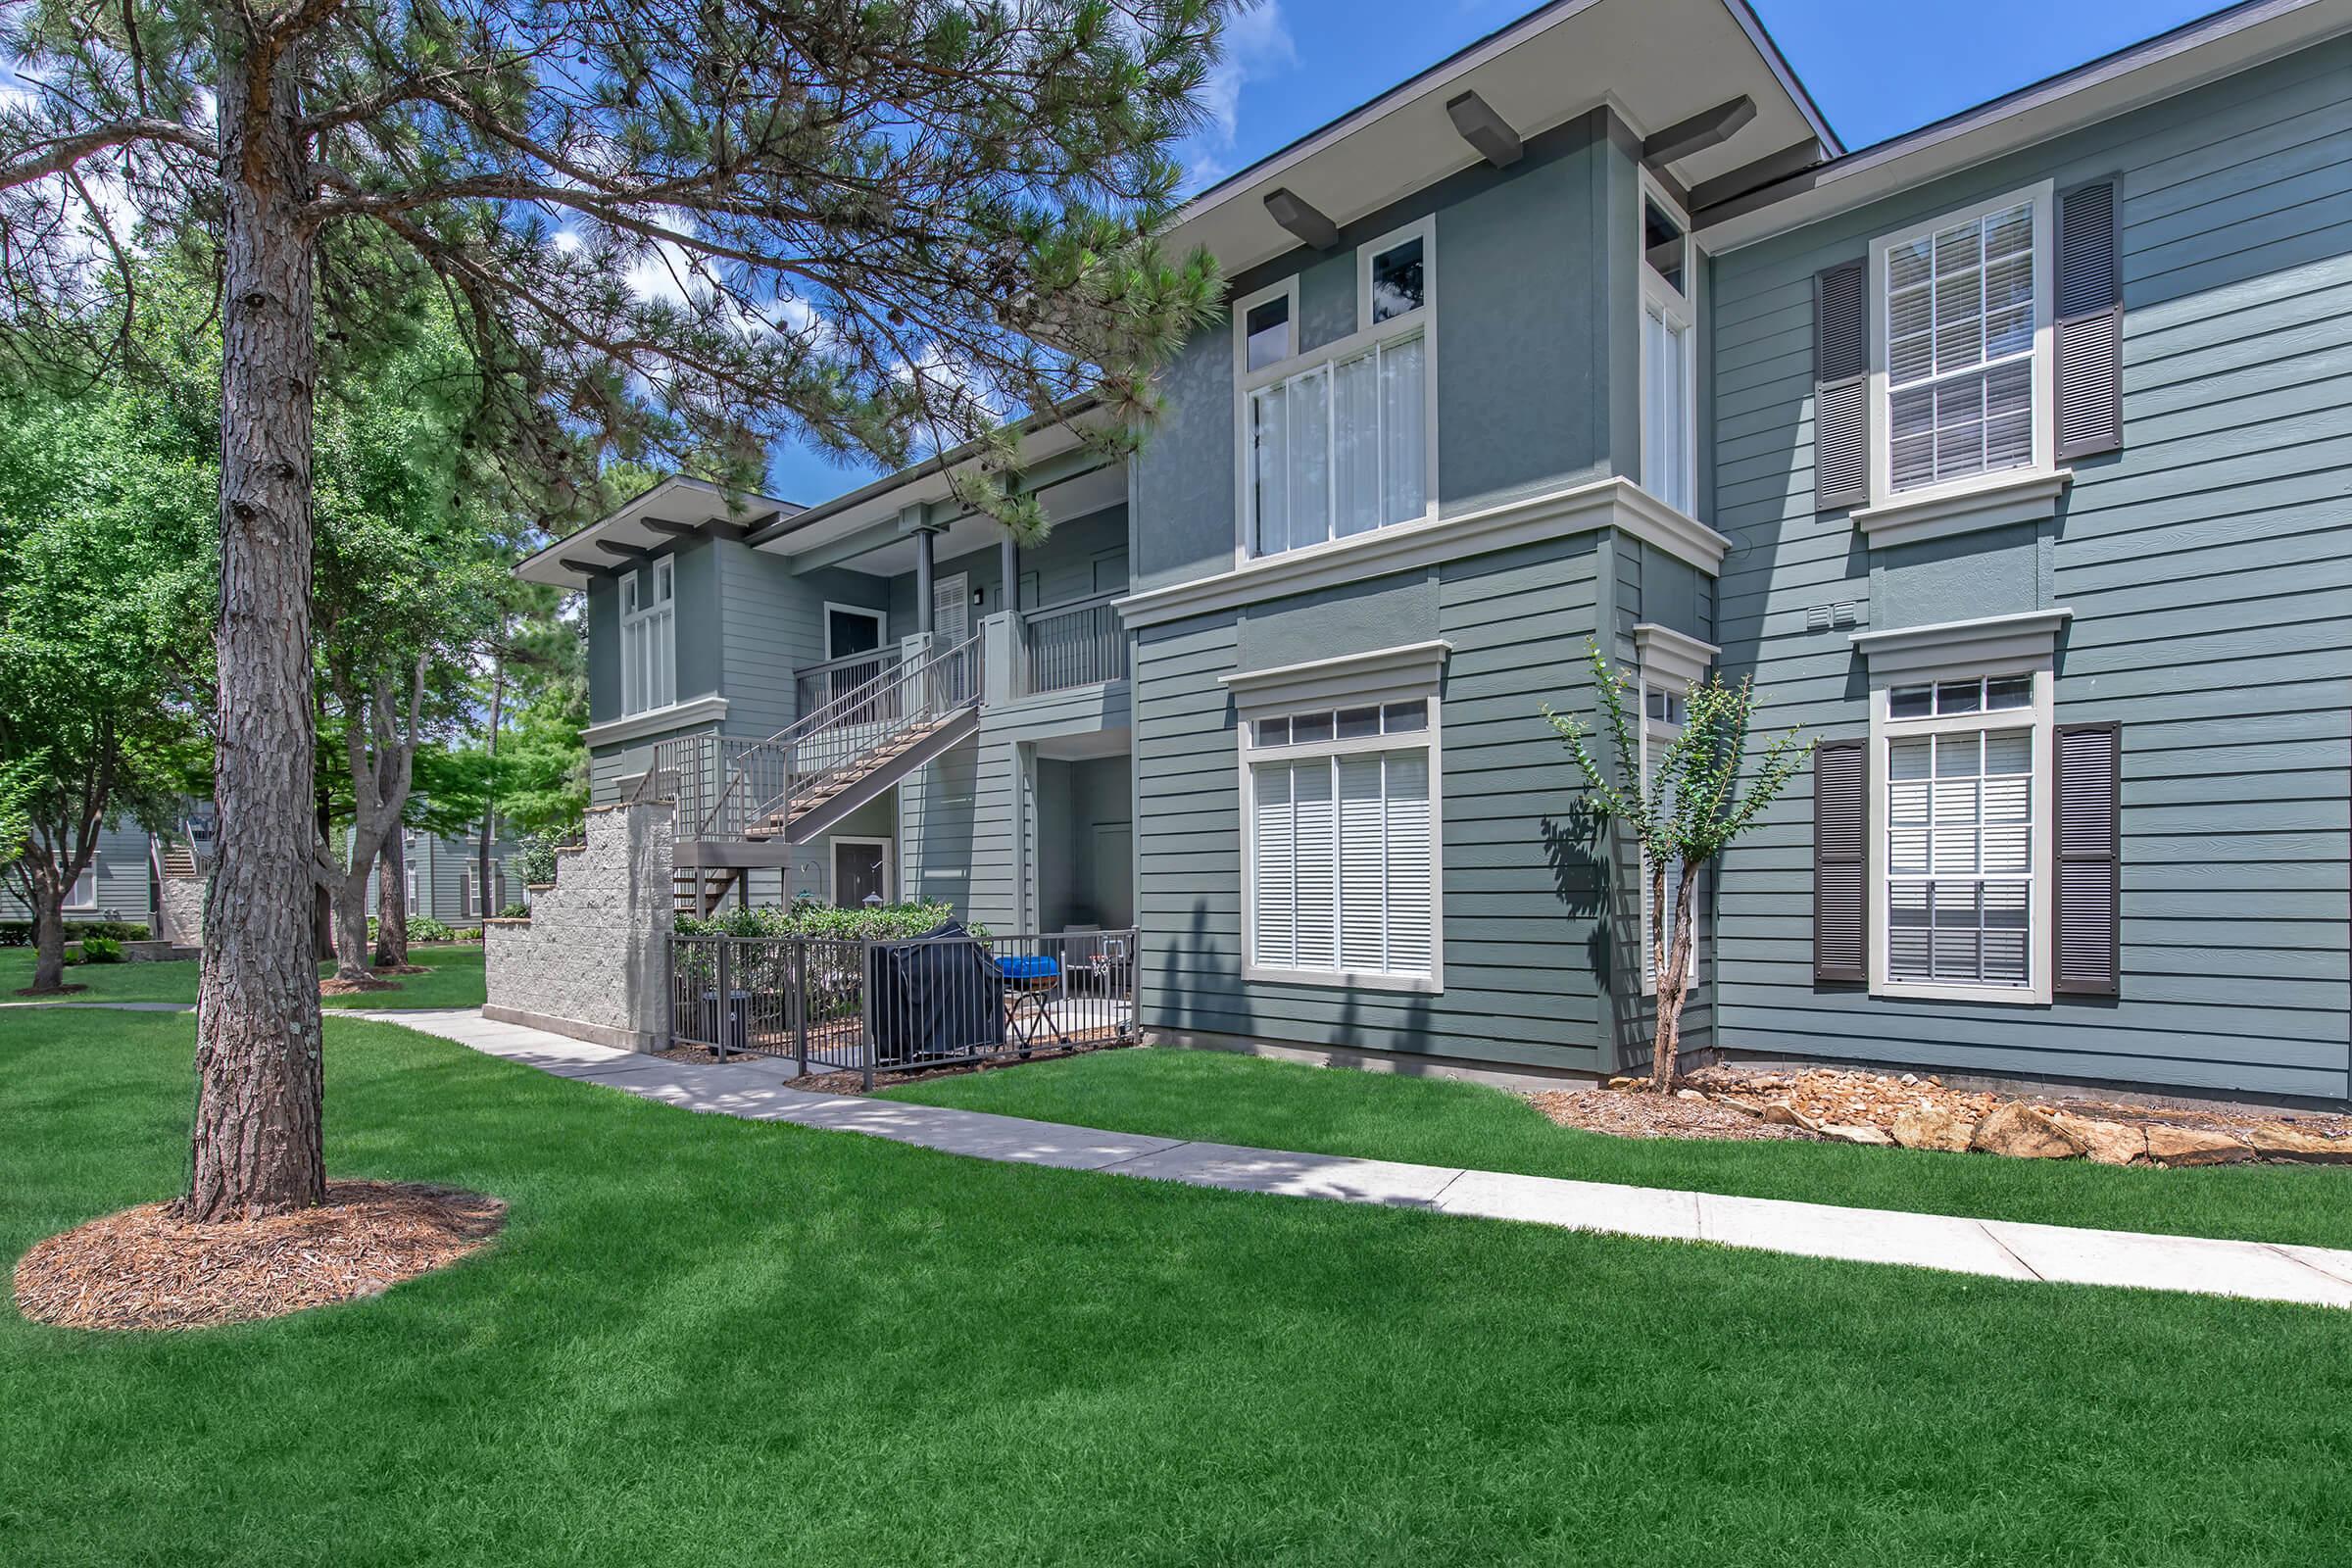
point(1683, 811)
point(670, 230)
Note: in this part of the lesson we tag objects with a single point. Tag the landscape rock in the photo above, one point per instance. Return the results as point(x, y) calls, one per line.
point(2106, 1142)
point(2021, 1132)
point(2194, 1145)
point(1689, 1094)
point(1780, 1113)
point(1862, 1133)
point(2285, 1142)
point(1935, 1127)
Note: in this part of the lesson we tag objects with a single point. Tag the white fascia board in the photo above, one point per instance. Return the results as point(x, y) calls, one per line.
point(1993, 645)
point(1385, 673)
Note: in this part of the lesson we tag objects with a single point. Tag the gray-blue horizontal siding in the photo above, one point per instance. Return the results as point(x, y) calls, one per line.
point(123, 887)
point(771, 623)
point(2206, 565)
point(1521, 895)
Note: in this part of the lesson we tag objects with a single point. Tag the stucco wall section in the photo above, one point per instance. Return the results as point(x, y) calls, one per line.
point(591, 960)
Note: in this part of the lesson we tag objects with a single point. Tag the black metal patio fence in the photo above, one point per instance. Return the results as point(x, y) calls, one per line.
point(873, 1007)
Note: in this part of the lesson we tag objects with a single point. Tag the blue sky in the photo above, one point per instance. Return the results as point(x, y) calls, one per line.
point(1876, 68)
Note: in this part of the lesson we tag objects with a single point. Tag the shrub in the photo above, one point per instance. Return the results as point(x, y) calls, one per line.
point(467, 933)
point(535, 860)
point(424, 928)
point(101, 949)
point(515, 911)
point(19, 933)
point(890, 922)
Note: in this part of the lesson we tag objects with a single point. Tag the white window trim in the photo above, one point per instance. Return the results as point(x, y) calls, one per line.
point(2040, 717)
point(1389, 675)
point(1665, 660)
point(1302, 360)
point(1678, 305)
point(89, 874)
point(880, 619)
point(633, 702)
point(1979, 500)
point(890, 865)
point(1425, 229)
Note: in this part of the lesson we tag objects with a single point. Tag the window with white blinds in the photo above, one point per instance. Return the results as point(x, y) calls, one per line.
point(649, 668)
point(1961, 307)
point(1662, 722)
point(1960, 825)
point(1669, 412)
point(1343, 863)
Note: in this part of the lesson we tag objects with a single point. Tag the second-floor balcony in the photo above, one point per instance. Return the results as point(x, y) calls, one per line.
point(1078, 643)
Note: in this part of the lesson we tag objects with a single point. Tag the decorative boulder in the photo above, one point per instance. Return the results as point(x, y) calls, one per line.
point(1933, 1127)
point(2193, 1146)
point(2021, 1132)
point(2105, 1142)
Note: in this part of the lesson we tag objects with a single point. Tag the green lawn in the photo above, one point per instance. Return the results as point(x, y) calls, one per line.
point(710, 1341)
point(1276, 1105)
point(456, 981)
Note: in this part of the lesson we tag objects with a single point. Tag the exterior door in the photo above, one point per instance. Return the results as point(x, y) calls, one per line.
point(861, 871)
point(1113, 874)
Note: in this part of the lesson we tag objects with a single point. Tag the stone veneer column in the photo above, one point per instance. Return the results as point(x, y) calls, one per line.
point(592, 961)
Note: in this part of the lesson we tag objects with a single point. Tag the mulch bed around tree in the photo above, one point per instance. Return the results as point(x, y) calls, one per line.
point(53, 990)
point(336, 986)
point(403, 968)
point(143, 1269)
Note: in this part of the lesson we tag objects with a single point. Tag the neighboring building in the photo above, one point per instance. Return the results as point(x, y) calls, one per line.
point(130, 875)
point(444, 878)
point(2011, 456)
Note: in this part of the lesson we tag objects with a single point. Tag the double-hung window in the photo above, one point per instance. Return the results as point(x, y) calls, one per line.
point(83, 894)
point(649, 668)
point(1962, 347)
point(1669, 359)
point(1339, 828)
point(1341, 439)
point(1962, 856)
point(1662, 714)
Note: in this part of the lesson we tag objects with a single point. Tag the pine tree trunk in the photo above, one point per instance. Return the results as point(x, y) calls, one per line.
point(48, 934)
point(257, 1139)
point(392, 903)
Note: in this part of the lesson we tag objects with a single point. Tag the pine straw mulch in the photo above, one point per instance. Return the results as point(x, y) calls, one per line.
point(403, 968)
point(141, 1268)
point(337, 986)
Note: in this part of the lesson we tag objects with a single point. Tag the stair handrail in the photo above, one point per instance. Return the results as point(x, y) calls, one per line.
point(830, 717)
point(827, 717)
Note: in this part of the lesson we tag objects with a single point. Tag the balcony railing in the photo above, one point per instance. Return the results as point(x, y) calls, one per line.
point(819, 684)
point(1073, 645)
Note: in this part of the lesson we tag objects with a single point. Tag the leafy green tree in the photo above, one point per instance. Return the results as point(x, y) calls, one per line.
point(881, 229)
point(1684, 812)
point(105, 517)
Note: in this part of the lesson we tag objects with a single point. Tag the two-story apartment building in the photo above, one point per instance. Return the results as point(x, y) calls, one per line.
point(2012, 457)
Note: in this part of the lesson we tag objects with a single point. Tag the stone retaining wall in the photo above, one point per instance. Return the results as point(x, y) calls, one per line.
point(181, 905)
point(592, 961)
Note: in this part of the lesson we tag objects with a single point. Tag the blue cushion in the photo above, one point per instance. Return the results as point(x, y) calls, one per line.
point(1034, 966)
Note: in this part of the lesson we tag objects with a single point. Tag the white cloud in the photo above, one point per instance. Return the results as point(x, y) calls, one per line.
point(1258, 47)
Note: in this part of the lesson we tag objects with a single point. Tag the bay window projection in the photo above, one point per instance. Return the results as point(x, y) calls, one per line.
point(1669, 409)
point(1960, 329)
point(1340, 446)
point(1960, 886)
point(1343, 864)
point(649, 674)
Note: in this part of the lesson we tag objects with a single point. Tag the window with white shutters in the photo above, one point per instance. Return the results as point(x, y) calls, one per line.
point(649, 674)
point(1342, 844)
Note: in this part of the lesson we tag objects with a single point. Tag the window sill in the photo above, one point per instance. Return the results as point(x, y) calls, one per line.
point(2026, 496)
point(1342, 980)
point(2000, 996)
point(657, 720)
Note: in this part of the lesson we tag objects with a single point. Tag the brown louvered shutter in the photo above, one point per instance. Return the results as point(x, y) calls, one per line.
point(1840, 386)
point(1841, 827)
point(2086, 913)
point(2091, 323)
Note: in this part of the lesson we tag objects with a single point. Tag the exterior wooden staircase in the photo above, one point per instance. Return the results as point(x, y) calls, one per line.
point(741, 804)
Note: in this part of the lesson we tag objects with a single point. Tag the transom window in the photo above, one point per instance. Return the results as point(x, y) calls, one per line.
point(1340, 822)
point(1266, 330)
point(1984, 695)
point(1962, 303)
point(649, 670)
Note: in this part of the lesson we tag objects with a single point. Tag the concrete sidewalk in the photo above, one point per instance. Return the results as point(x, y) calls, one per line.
point(759, 1089)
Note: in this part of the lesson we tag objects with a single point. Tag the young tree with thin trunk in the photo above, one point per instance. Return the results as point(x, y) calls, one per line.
point(1683, 811)
point(880, 228)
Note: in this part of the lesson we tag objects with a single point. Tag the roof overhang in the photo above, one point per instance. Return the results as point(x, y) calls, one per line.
point(2171, 63)
point(1657, 63)
point(674, 509)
